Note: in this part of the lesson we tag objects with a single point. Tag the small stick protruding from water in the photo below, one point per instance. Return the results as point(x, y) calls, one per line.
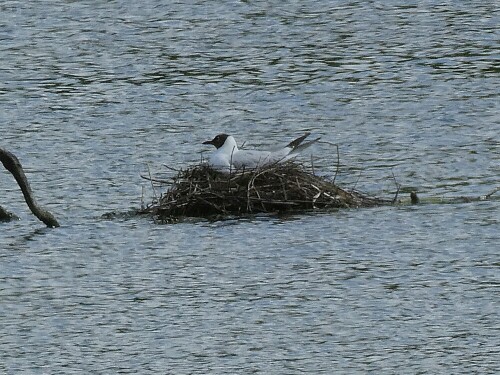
point(414, 198)
point(338, 163)
point(398, 186)
point(143, 206)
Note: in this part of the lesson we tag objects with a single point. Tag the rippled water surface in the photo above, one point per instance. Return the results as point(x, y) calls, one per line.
point(92, 94)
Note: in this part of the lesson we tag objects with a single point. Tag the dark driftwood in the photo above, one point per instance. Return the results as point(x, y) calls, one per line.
point(13, 165)
point(201, 191)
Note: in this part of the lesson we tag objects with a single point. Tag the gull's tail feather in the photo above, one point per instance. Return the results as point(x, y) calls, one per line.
point(298, 146)
point(293, 144)
point(302, 146)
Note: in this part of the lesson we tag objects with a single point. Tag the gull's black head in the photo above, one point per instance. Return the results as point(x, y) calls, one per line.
point(218, 141)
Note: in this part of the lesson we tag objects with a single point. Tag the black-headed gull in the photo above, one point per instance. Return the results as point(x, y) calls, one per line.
point(228, 156)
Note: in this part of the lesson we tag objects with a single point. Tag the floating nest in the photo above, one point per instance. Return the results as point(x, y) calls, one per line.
point(201, 191)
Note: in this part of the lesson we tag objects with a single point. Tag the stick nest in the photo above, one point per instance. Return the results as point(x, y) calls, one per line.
point(201, 191)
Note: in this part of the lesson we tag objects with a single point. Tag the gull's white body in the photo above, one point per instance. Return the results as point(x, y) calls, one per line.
point(228, 156)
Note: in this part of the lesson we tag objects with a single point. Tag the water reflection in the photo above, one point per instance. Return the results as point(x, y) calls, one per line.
point(92, 93)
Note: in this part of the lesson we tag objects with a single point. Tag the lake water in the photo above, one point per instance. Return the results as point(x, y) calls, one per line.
point(93, 93)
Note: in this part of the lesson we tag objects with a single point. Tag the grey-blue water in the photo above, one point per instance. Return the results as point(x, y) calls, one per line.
point(94, 92)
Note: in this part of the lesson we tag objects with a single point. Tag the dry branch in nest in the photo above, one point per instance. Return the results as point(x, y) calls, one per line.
point(201, 191)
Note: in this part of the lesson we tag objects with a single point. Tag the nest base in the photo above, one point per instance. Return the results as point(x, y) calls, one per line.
point(201, 191)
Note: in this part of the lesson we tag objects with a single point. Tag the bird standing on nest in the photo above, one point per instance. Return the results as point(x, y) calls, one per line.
point(228, 156)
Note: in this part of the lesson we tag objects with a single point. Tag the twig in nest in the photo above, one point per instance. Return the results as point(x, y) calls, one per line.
point(172, 168)
point(152, 179)
point(152, 185)
point(356, 183)
point(338, 159)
